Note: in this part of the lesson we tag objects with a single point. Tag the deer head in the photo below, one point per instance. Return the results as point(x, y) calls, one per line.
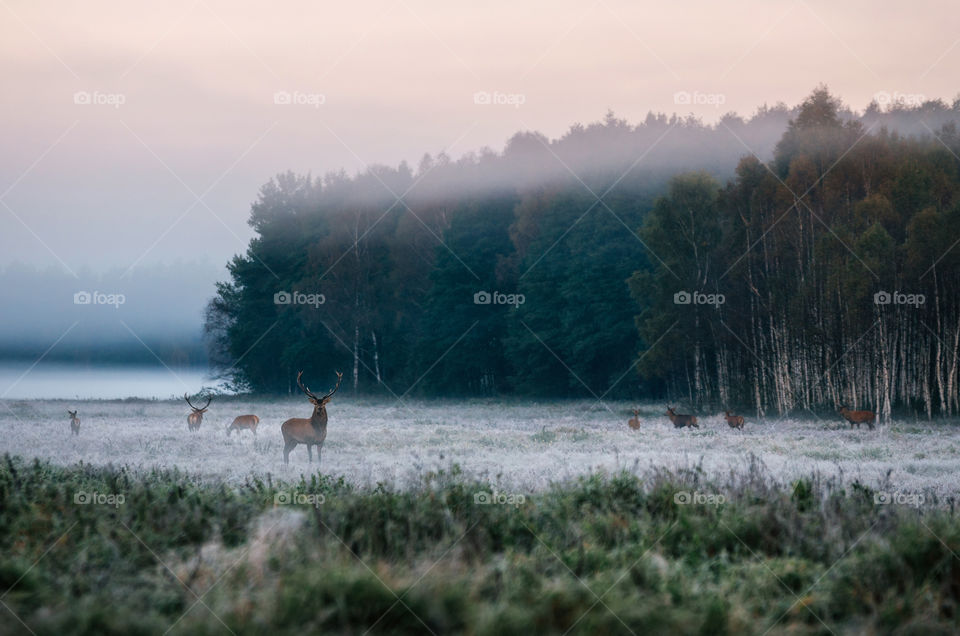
point(319, 402)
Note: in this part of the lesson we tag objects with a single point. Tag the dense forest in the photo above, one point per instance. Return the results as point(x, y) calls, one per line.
point(593, 265)
point(836, 266)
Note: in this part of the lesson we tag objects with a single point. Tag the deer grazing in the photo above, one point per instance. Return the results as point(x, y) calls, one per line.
point(735, 421)
point(311, 431)
point(195, 418)
point(634, 422)
point(679, 420)
point(244, 423)
point(856, 418)
point(74, 422)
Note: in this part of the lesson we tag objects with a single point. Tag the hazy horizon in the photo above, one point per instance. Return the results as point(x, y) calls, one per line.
point(188, 124)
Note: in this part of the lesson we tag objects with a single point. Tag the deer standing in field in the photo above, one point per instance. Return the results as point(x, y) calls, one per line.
point(311, 431)
point(679, 420)
point(634, 422)
point(856, 418)
point(74, 422)
point(244, 423)
point(735, 421)
point(195, 418)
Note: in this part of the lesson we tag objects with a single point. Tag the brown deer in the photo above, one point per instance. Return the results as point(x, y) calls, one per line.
point(735, 421)
point(634, 422)
point(856, 418)
point(311, 431)
point(244, 423)
point(195, 418)
point(679, 420)
point(74, 422)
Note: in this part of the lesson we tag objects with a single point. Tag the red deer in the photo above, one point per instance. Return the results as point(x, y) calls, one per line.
point(679, 421)
point(634, 422)
point(195, 418)
point(244, 423)
point(311, 431)
point(856, 418)
point(735, 421)
point(74, 422)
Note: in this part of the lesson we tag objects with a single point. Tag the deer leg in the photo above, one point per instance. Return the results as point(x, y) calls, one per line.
point(310, 453)
point(289, 446)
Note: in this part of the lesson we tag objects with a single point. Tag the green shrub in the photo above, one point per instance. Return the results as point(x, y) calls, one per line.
point(599, 554)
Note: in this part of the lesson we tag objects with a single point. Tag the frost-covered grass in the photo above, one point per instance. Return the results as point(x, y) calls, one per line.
point(602, 554)
point(523, 446)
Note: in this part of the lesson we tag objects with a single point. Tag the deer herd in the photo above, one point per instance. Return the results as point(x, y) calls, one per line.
point(312, 431)
point(680, 420)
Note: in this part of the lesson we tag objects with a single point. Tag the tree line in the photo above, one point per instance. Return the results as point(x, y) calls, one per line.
point(835, 267)
point(585, 266)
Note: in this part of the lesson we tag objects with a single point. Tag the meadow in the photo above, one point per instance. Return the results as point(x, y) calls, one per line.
point(473, 518)
point(524, 446)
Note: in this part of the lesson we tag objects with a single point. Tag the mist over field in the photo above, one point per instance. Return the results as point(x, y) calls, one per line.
point(540, 318)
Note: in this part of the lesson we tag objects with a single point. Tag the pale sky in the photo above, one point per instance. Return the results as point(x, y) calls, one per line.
point(182, 95)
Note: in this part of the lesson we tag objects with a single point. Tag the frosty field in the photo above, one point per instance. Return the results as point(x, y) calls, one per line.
point(523, 446)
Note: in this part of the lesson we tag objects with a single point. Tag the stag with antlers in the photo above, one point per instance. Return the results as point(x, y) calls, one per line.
point(311, 431)
point(195, 418)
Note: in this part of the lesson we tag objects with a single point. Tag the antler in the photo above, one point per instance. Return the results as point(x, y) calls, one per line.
point(209, 398)
point(310, 394)
point(305, 389)
point(339, 379)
